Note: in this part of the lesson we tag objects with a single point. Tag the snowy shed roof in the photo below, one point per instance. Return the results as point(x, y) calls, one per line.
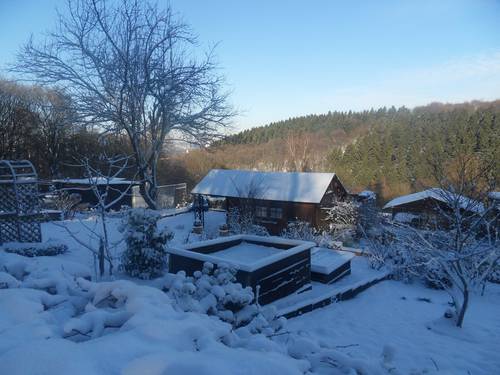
point(95, 181)
point(439, 195)
point(276, 186)
point(495, 195)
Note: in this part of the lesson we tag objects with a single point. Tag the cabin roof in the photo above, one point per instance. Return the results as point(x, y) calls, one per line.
point(439, 195)
point(304, 187)
point(495, 195)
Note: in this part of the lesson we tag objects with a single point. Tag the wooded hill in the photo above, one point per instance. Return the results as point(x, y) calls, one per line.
point(385, 150)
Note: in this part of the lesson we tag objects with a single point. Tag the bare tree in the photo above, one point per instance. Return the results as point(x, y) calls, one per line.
point(299, 150)
point(461, 251)
point(54, 121)
point(101, 180)
point(130, 67)
point(243, 218)
point(17, 121)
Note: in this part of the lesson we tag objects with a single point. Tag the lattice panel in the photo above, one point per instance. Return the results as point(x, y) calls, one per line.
point(29, 231)
point(8, 201)
point(8, 231)
point(19, 202)
point(28, 198)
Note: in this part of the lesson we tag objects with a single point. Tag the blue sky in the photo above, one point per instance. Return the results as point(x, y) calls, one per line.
point(288, 58)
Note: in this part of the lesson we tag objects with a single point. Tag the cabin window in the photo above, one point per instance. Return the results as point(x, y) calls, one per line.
point(261, 211)
point(275, 213)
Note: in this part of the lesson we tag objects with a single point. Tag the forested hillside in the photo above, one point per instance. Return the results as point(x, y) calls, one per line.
point(386, 150)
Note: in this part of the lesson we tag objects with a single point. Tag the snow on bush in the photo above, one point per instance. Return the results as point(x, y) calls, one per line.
point(204, 324)
point(302, 230)
point(243, 222)
point(214, 291)
point(50, 248)
point(145, 256)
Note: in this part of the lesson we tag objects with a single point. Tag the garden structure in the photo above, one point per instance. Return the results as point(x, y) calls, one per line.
point(274, 267)
point(19, 202)
point(275, 198)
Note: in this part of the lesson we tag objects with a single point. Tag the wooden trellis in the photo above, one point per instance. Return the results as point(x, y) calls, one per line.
point(19, 202)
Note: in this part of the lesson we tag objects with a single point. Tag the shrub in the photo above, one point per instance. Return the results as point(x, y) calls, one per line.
point(214, 291)
point(35, 249)
point(243, 222)
point(145, 255)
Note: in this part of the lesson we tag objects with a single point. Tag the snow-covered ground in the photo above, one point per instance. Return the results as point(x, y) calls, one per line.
point(82, 228)
point(405, 321)
point(54, 321)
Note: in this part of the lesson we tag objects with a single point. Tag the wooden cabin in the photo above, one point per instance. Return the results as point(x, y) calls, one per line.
point(428, 207)
point(275, 198)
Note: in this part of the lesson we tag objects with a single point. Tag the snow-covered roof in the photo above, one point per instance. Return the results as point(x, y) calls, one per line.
point(368, 194)
point(275, 186)
point(439, 195)
point(494, 195)
point(96, 181)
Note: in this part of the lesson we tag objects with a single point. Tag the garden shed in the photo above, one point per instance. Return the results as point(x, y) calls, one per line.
point(118, 190)
point(428, 206)
point(275, 198)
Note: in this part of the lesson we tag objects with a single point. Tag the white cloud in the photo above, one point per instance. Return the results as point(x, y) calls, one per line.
point(464, 79)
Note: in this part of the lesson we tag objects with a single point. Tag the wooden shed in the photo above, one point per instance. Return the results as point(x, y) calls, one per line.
point(275, 198)
point(118, 190)
point(428, 206)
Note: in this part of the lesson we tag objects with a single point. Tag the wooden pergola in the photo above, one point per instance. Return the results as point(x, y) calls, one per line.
point(19, 202)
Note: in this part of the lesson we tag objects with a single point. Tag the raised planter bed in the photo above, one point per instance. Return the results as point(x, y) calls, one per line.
point(328, 266)
point(274, 267)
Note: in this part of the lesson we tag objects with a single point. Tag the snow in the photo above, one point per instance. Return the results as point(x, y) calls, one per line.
point(361, 274)
point(437, 194)
point(132, 327)
point(405, 217)
point(325, 260)
point(244, 262)
point(368, 194)
point(95, 181)
point(395, 317)
point(246, 253)
point(274, 186)
point(494, 195)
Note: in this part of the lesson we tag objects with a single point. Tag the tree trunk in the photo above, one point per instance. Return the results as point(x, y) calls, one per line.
point(145, 192)
point(463, 308)
point(101, 257)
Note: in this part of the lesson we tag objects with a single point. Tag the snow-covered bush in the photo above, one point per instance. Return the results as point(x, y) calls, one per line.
point(145, 255)
point(214, 291)
point(495, 274)
point(302, 230)
point(243, 222)
point(35, 249)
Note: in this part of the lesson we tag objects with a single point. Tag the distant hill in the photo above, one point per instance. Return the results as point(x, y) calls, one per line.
point(386, 150)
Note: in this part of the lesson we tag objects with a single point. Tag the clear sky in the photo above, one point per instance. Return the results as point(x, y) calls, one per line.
point(287, 58)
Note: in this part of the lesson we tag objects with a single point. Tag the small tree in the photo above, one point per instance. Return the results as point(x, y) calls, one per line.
point(461, 252)
point(242, 219)
point(145, 256)
point(100, 179)
point(342, 218)
point(458, 257)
